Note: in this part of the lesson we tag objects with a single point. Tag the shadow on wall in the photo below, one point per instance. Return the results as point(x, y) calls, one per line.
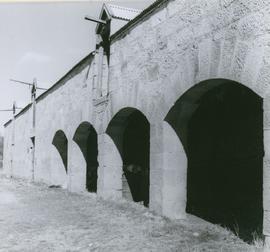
point(130, 131)
point(61, 144)
point(220, 124)
point(86, 138)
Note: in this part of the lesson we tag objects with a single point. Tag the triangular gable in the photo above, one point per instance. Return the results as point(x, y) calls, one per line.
point(118, 15)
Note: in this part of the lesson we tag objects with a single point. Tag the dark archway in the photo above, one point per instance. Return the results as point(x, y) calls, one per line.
point(220, 124)
point(130, 131)
point(61, 144)
point(86, 138)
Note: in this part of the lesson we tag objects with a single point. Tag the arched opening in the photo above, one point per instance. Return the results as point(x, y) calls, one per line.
point(61, 144)
point(130, 131)
point(86, 138)
point(220, 124)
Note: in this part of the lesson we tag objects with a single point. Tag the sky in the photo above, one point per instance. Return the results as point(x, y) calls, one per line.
point(44, 41)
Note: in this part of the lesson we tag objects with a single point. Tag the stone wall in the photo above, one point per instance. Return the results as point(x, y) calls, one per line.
point(63, 109)
point(152, 63)
point(184, 43)
point(17, 152)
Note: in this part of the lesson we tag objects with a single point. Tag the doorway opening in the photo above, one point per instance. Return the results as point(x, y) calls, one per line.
point(86, 138)
point(61, 144)
point(130, 131)
point(220, 124)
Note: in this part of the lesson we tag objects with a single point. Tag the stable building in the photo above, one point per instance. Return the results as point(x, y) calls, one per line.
point(171, 110)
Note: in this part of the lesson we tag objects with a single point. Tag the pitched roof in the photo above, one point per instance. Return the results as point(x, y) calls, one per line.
point(120, 12)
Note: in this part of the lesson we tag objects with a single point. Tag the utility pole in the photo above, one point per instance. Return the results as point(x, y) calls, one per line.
point(13, 138)
point(13, 109)
point(33, 100)
point(34, 89)
point(32, 85)
point(33, 138)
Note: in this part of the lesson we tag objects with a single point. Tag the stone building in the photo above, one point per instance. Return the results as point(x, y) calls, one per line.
point(173, 107)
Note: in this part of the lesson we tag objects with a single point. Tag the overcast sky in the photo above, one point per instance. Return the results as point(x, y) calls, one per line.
point(44, 40)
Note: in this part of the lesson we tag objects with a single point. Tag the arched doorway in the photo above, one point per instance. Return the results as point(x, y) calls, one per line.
point(130, 131)
point(61, 144)
point(86, 138)
point(220, 124)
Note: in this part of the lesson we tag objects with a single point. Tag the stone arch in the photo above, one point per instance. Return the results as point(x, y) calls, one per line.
point(86, 138)
point(60, 142)
point(129, 129)
point(216, 59)
point(220, 125)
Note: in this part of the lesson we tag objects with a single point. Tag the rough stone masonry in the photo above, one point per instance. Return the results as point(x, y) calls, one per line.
point(161, 64)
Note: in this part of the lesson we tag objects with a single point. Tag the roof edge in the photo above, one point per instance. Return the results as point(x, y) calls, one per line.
point(117, 35)
point(62, 81)
point(17, 115)
point(7, 123)
point(144, 14)
point(80, 65)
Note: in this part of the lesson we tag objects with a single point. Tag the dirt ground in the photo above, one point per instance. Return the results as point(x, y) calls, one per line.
point(36, 218)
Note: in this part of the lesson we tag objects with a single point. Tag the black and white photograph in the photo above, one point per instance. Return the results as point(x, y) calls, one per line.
point(135, 126)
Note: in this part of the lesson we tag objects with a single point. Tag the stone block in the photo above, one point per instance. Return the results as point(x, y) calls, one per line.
point(266, 223)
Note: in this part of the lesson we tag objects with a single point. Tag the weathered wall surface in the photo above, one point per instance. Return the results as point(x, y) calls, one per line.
point(7, 154)
point(64, 109)
point(17, 157)
point(184, 43)
point(151, 65)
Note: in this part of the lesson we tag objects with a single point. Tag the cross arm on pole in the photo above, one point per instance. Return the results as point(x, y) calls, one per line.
point(96, 20)
point(22, 82)
point(42, 88)
point(28, 84)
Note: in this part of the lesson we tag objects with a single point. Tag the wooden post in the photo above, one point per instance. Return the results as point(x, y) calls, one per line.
point(12, 138)
point(33, 99)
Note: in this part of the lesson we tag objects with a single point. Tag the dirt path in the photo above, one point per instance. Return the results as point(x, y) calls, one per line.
point(36, 218)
